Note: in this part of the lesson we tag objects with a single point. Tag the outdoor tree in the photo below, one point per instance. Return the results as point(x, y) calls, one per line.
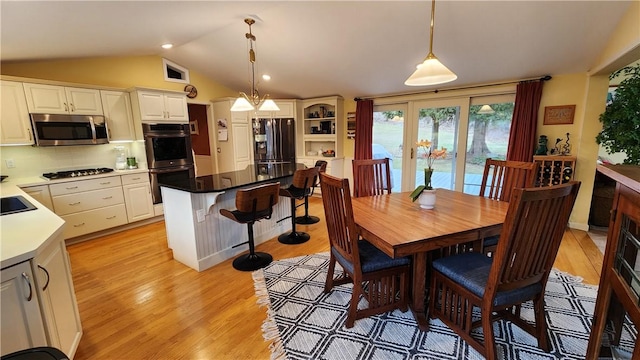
point(621, 118)
point(438, 117)
point(503, 112)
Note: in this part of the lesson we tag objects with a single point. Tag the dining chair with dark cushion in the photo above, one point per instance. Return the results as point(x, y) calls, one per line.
point(307, 219)
point(253, 204)
point(298, 190)
point(499, 179)
point(383, 281)
point(371, 177)
point(517, 272)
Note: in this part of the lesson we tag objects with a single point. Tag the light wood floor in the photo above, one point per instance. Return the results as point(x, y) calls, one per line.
point(136, 302)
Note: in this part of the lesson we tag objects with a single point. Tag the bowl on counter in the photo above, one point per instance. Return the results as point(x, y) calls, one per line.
point(329, 153)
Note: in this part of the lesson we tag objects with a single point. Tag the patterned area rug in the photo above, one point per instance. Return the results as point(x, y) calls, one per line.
point(305, 323)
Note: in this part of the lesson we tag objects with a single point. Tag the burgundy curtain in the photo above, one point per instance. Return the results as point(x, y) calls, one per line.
point(522, 138)
point(364, 129)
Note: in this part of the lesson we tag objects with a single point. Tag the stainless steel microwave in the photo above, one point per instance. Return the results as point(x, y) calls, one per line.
point(55, 129)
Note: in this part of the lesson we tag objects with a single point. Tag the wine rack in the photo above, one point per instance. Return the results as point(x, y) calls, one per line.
point(554, 170)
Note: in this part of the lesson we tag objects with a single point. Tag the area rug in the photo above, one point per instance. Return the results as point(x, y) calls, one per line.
point(305, 323)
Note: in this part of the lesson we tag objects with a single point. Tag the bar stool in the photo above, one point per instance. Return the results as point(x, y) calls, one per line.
point(307, 219)
point(303, 180)
point(253, 204)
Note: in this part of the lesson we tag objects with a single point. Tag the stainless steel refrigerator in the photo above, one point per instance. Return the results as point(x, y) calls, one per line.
point(274, 141)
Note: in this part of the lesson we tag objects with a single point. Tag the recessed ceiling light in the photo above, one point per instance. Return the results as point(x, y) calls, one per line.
point(167, 46)
point(266, 77)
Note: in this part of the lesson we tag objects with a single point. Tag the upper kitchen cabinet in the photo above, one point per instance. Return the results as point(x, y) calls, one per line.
point(117, 111)
point(322, 127)
point(287, 110)
point(15, 127)
point(52, 99)
point(154, 106)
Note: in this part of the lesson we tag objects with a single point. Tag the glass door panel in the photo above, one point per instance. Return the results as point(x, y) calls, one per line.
point(388, 134)
point(437, 122)
point(487, 137)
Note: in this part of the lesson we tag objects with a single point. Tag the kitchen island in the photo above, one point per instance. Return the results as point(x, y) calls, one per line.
point(196, 232)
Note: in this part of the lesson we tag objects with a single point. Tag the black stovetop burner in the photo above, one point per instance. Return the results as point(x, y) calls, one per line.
point(76, 173)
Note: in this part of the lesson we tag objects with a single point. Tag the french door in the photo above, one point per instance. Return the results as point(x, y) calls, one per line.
point(388, 139)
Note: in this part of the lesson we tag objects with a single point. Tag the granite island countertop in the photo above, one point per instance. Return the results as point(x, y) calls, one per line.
point(253, 175)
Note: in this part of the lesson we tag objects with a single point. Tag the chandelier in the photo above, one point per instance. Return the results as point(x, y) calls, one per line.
point(431, 71)
point(252, 101)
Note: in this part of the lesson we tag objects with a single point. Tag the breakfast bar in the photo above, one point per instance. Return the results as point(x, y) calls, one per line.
point(196, 232)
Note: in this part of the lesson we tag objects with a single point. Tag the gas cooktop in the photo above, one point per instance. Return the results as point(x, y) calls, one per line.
point(76, 173)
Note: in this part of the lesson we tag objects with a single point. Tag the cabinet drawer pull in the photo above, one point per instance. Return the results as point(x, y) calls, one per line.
point(79, 225)
point(135, 178)
point(75, 203)
point(26, 278)
point(71, 188)
point(107, 198)
point(111, 217)
point(73, 108)
point(105, 183)
point(66, 108)
point(46, 285)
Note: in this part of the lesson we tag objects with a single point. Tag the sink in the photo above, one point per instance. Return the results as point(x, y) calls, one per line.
point(15, 204)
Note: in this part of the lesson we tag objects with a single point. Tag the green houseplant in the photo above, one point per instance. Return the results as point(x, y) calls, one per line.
point(621, 119)
point(430, 155)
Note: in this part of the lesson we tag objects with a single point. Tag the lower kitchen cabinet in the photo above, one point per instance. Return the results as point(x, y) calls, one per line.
point(40, 193)
point(22, 324)
point(137, 196)
point(40, 310)
point(57, 297)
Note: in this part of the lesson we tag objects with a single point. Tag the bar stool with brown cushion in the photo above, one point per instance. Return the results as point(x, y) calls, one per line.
point(307, 219)
point(253, 204)
point(303, 180)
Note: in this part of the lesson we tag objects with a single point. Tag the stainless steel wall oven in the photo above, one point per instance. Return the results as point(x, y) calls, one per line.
point(169, 154)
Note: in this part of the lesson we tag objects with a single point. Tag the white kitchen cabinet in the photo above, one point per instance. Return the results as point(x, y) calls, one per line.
point(52, 99)
point(89, 205)
point(335, 166)
point(40, 193)
point(22, 323)
point(137, 196)
point(57, 297)
point(287, 110)
point(15, 125)
point(160, 106)
point(242, 145)
point(119, 115)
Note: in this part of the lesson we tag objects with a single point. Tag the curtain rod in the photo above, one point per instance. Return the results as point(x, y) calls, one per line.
point(544, 78)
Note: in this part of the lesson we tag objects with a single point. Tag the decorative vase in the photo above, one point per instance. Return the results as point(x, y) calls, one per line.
point(427, 199)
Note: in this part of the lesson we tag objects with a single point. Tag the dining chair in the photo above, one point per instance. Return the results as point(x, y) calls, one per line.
point(300, 188)
point(517, 272)
point(382, 281)
point(499, 179)
point(307, 219)
point(371, 177)
point(253, 204)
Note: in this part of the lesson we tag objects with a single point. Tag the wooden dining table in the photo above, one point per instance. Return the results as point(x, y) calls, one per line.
point(400, 227)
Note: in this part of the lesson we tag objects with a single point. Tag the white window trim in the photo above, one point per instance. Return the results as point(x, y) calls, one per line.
point(166, 63)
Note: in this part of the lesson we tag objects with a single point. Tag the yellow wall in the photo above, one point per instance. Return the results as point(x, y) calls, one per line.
point(117, 72)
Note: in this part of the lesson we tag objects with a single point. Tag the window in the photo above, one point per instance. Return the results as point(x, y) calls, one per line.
point(174, 72)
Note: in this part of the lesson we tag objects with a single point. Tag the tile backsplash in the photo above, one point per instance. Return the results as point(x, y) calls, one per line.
point(35, 161)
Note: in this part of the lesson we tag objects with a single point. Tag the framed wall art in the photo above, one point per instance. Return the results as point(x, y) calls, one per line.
point(559, 115)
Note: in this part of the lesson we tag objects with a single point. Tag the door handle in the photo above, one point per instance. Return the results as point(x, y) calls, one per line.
point(412, 153)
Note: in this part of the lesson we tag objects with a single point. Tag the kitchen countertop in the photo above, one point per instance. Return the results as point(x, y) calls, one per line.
point(23, 234)
point(252, 175)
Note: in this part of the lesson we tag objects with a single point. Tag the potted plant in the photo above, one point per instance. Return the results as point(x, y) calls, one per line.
point(621, 119)
point(425, 192)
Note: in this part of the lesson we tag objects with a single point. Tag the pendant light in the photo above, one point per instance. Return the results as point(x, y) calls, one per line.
point(252, 101)
point(431, 71)
point(486, 109)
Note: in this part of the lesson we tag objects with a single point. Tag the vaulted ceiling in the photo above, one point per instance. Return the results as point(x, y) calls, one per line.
point(317, 48)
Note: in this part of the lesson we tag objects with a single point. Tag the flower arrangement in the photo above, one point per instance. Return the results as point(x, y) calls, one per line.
point(430, 155)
